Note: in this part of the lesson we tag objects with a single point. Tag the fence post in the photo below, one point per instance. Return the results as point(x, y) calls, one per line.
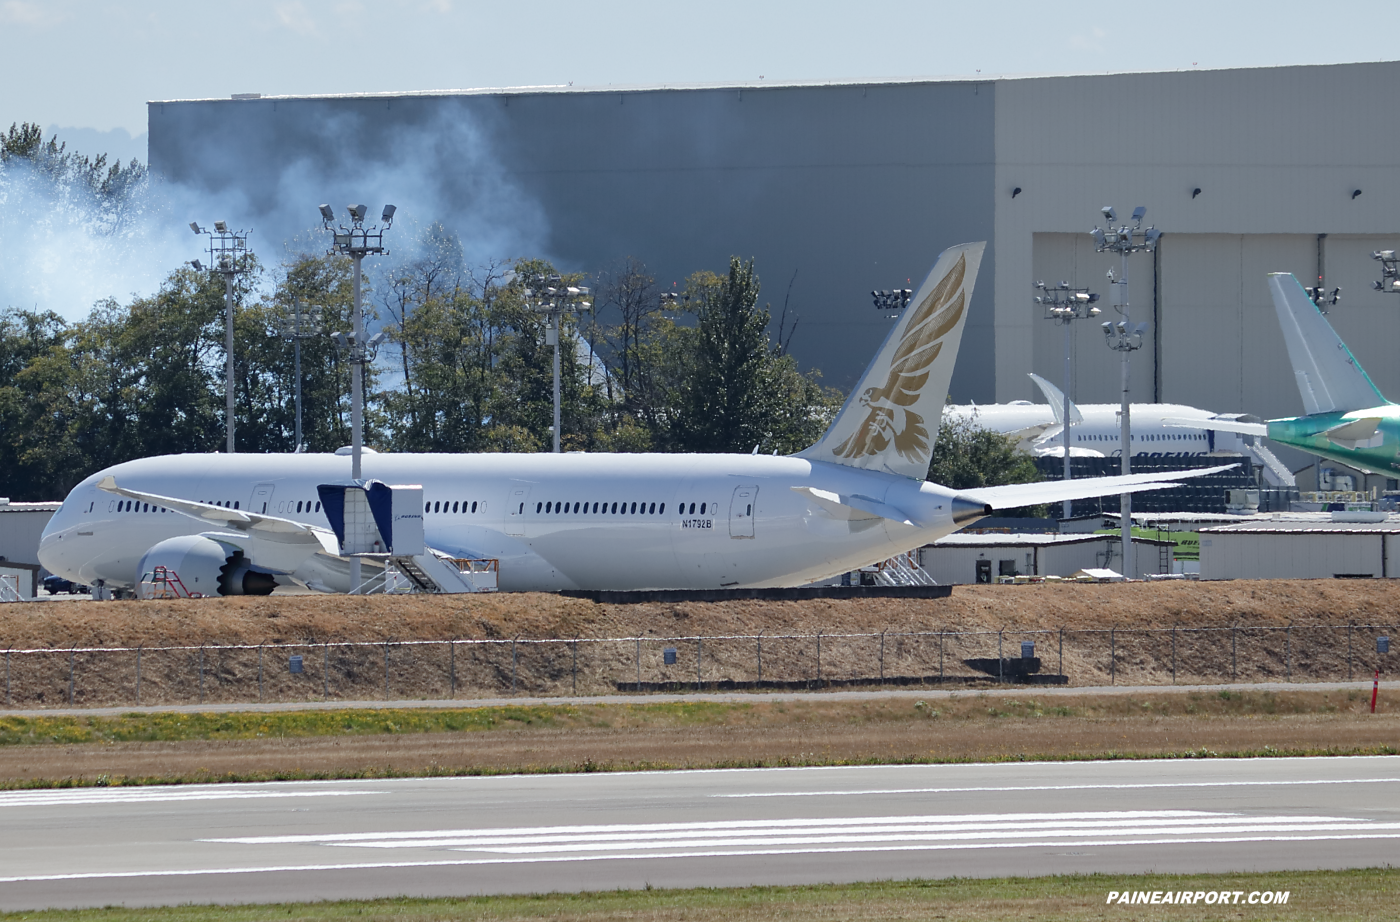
point(1173, 654)
point(699, 652)
point(1349, 626)
point(1001, 662)
point(882, 657)
point(639, 664)
point(452, 669)
point(70, 674)
point(260, 673)
point(1112, 656)
point(1234, 649)
point(514, 661)
point(7, 674)
point(940, 659)
point(1062, 651)
point(386, 670)
point(575, 646)
point(138, 674)
point(1288, 653)
point(819, 659)
point(325, 670)
point(760, 656)
point(201, 673)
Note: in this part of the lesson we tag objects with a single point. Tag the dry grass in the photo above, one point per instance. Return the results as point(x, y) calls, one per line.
point(1300, 632)
point(1363, 896)
point(816, 731)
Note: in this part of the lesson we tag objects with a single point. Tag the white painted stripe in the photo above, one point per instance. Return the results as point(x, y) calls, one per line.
point(1056, 787)
point(467, 862)
point(149, 795)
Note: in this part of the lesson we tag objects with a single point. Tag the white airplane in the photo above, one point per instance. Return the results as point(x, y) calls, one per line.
point(1159, 430)
point(247, 524)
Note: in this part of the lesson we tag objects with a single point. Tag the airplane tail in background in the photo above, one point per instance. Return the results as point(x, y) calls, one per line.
point(1329, 376)
point(890, 421)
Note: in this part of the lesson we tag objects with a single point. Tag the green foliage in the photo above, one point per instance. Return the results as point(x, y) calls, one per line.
point(967, 456)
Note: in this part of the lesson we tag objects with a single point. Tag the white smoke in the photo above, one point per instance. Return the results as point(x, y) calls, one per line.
point(61, 251)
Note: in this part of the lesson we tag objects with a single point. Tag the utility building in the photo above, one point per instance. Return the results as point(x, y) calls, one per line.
point(837, 189)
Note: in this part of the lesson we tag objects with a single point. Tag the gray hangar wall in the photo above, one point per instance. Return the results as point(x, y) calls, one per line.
point(835, 190)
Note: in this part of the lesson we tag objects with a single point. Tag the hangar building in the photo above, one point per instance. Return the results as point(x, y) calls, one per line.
point(840, 188)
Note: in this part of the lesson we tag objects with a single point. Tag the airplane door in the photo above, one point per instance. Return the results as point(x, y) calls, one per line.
point(741, 511)
point(515, 510)
point(261, 500)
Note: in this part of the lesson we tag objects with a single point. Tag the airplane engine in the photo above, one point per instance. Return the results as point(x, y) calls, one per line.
point(206, 566)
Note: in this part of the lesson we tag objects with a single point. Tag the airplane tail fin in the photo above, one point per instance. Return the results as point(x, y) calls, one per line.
point(890, 421)
point(1329, 376)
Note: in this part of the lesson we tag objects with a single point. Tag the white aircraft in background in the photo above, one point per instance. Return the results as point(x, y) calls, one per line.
point(1159, 430)
point(246, 524)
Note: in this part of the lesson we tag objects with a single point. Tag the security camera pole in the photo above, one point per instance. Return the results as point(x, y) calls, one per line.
point(1124, 337)
point(229, 257)
point(551, 297)
point(1064, 305)
point(357, 242)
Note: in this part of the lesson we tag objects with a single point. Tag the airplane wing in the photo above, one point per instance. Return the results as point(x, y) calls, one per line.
point(1218, 425)
point(1013, 496)
point(283, 531)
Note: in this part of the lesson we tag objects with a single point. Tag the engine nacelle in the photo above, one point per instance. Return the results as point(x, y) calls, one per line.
point(205, 566)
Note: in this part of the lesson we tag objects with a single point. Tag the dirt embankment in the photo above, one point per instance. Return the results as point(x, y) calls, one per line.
point(1225, 631)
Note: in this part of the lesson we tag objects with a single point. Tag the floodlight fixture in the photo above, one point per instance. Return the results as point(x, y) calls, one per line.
point(1196, 191)
point(194, 226)
point(357, 213)
point(1016, 191)
point(1355, 193)
point(1110, 215)
point(199, 266)
point(221, 227)
point(1100, 241)
point(388, 216)
point(1139, 213)
point(327, 213)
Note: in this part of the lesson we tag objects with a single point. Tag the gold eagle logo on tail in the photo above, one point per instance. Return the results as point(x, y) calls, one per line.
point(889, 418)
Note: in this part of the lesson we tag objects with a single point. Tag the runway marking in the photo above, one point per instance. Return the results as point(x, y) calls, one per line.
point(1056, 787)
point(150, 795)
point(467, 862)
point(803, 834)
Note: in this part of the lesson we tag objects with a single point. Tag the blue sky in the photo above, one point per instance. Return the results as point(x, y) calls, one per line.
point(89, 67)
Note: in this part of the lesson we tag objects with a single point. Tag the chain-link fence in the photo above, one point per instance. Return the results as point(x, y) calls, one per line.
point(466, 669)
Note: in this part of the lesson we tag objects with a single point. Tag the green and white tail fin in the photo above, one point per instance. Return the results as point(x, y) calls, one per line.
point(890, 421)
point(1329, 376)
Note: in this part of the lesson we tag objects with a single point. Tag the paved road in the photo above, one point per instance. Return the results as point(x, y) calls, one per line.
point(317, 840)
point(1387, 689)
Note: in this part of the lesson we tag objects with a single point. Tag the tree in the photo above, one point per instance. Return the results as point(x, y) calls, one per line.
point(967, 456)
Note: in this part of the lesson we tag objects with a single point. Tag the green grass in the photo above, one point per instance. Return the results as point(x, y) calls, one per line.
point(1361, 895)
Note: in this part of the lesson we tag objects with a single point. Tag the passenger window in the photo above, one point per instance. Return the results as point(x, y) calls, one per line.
point(634, 509)
point(473, 505)
point(702, 508)
point(538, 507)
point(454, 507)
point(549, 506)
point(427, 507)
point(298, 506)
point(576, 507)
point(614, 508)
point(663, 508)
point(318, 506)
point(653, 509)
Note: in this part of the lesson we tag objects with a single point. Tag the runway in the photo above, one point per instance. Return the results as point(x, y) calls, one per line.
point(538, 833)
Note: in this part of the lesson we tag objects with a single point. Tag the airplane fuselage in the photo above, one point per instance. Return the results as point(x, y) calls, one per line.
point(572, 521)
point(1098, 433)
point(1376, 452)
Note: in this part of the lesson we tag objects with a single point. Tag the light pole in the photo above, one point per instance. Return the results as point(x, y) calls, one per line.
point(303, 324)
point(357, 242)
point(1064, 305)
point(551, 297)
point(229, 257)
point(1124, 337)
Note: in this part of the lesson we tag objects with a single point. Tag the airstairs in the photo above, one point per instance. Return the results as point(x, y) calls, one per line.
point(435, 572)
point(903, 570)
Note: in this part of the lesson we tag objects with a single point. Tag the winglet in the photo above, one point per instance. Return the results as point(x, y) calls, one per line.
point(890, 421)
point(1057, 400)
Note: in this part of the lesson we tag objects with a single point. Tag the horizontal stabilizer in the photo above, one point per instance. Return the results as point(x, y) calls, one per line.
point(1016, 495)
point(853, 507)
point(1217, 424)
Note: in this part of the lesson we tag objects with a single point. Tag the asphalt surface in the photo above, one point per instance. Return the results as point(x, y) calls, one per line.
point(520, 834)
point(1387, 689)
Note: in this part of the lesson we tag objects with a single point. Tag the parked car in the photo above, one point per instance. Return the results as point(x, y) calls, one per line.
point(56, 584)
